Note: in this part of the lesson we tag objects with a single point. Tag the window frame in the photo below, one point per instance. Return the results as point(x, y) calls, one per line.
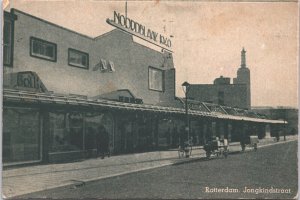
point(40, 135)
point(41, 56)
point(162, 79)
point(71, 145)
point(10, 17)
point(78, 65)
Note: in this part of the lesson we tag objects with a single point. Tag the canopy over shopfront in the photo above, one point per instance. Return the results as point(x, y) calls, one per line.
point(48, 98)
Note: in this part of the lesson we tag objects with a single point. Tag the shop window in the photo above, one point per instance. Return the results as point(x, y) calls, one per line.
point(7, 42)
point(73, 132)
point(66, 130)
point(42, 49)
point(156, 77)
point(76, 130)
point(78, 58)
point(92, 123)
point(58, 132)
point(164, 132)
point(21, 135)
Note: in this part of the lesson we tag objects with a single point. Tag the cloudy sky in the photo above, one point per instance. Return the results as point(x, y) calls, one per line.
point(208, 38)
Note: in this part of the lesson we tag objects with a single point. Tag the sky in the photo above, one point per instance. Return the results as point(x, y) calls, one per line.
point(207, 38)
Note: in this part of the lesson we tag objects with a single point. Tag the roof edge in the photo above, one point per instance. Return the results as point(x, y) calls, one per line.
point(13, 10)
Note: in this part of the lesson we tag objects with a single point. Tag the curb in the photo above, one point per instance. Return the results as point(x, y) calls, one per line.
point(173, 161)
point(79, 183)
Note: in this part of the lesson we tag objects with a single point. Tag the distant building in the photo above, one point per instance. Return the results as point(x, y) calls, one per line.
point(222, 92)
point(284, 113)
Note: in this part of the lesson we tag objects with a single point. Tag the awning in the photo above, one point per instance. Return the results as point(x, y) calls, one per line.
point(49, 98)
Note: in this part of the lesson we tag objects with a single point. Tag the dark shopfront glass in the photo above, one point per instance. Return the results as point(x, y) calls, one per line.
point(195, 133)
point(21, 135)
point(165, 127)
point(178, 130)
point(143, 135)
point(77, 131)
point(66, 131)
point(135, 133)
point(92, 123)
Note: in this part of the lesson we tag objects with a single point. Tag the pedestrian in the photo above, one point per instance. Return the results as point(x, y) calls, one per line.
point(244, 141)
point(277, 136)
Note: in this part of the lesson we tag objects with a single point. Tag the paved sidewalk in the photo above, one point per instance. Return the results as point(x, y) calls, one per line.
point(30, 179)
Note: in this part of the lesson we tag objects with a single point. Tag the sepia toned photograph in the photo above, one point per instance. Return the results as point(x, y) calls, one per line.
point(162, 99)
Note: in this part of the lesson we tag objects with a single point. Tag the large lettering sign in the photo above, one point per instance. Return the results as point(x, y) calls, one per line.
point(31, 81)
point(139, 30)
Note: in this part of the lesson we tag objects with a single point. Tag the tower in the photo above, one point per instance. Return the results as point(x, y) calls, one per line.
point(243, 77)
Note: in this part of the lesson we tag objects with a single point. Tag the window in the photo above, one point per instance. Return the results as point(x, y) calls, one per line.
point(42, 49)
point(66, 131)
point(155, 79)
point(21, 135)
point(7, 41)
point(92, 123)
point(78, 59)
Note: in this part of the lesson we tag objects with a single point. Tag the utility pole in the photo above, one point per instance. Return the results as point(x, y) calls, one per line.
point(126, 9)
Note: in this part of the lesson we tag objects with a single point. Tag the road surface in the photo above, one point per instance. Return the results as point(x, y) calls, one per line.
point(271, 172)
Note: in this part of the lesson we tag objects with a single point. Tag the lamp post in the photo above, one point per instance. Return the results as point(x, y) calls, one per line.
point(185, 87)
point(285, 120)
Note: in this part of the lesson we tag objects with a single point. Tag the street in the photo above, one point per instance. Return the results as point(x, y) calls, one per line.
point(271, 172)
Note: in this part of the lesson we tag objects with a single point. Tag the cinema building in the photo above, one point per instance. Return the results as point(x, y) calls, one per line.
point(60, 86)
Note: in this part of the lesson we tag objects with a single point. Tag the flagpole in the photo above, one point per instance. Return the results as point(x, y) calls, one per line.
point(126, 9)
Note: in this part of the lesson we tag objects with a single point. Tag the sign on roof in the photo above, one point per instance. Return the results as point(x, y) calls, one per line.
point(26, 80)
point(130, 26)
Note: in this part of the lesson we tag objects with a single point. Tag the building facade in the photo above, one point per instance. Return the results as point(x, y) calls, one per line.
point(60, 87)
point(223, 92)
point(79, 61)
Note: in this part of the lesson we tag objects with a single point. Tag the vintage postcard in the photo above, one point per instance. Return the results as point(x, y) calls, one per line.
point(160, 99)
